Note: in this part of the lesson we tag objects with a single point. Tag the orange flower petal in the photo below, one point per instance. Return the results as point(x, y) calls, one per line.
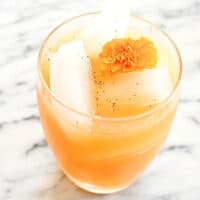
point(128, 55)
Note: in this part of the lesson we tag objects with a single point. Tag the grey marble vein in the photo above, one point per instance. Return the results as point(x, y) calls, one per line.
point(37, 145)
point(28, 169)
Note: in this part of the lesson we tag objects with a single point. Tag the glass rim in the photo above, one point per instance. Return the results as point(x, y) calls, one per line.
point(99, 117)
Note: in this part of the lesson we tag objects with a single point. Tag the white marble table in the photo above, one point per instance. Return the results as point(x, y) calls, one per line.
point(28, 170)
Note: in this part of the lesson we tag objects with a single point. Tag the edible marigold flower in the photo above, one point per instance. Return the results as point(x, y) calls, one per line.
point(128, 55)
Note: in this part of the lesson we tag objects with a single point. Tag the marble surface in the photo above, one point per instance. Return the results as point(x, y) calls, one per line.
point(27, 167)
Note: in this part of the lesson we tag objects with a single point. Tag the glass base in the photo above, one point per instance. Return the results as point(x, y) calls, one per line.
point(94, 189)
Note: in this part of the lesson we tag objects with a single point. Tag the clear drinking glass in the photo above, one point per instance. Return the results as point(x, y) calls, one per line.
point(103, 154)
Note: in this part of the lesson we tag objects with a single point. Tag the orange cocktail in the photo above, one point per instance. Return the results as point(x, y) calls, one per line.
point(106, 150)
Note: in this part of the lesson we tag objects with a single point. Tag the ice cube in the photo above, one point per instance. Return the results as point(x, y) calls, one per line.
point(133, 92)
point(70, 76)
point(111, 23)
